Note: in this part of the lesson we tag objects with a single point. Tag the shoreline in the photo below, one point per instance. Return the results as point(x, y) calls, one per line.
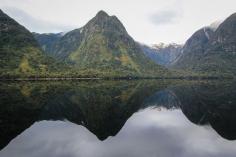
point(114, 78)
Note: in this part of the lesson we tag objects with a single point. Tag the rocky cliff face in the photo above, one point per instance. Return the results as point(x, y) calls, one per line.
point(211, 51)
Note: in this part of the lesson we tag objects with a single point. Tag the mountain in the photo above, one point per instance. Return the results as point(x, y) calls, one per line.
point(211, 51)
point(59, 45)
point(103, 48)
point(47, 40)
point(20, 54)
point(163, 54)
point(194, 48)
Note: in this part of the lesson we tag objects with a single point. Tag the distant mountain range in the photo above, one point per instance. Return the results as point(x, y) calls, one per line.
point(103, 48)
point(163, 54)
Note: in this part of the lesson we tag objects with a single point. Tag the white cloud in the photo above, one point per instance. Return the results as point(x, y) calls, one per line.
point(165, 17)
point(36, 24)
point(165, 133)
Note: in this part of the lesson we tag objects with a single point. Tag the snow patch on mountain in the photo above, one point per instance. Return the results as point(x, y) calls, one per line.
point(160, 46)
point(215, 25)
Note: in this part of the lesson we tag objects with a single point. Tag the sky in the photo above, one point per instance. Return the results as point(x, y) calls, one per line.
point(147, 21)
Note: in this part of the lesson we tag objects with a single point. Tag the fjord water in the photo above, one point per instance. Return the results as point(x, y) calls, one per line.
point(165, 118)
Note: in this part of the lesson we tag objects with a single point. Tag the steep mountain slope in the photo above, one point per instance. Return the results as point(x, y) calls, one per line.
point(194, 48)
point(210, 51)
point(59, 45)
point(163, 54)
point(103, 47)
point(47, 40)
point(20, 54)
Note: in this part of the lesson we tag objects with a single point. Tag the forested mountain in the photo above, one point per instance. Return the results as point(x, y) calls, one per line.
point(101, 47)
point(211, 51)
point(20, 54)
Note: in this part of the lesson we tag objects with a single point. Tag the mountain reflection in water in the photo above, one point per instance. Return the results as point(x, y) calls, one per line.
point(89, 118)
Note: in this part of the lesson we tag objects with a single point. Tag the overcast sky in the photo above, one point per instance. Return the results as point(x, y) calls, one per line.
point(147, 21)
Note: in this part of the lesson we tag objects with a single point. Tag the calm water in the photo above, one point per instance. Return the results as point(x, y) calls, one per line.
point(118, 119)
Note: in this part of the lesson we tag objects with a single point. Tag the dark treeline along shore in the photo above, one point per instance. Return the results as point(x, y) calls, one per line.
point(102, 48)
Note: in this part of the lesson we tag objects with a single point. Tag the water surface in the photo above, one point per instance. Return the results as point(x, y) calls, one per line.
point(118, 118)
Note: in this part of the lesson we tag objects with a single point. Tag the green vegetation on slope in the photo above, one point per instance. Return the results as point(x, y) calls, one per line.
point(103, 48)
point(20, 54)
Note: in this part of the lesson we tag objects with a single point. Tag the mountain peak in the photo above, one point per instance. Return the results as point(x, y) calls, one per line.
point(102, 13)
point(103, 22)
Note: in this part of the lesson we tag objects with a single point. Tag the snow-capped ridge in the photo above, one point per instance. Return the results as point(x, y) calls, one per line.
point(163, 45)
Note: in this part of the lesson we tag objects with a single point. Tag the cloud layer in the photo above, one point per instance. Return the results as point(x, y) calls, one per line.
point(165, 17)
point(36, 24)
point(147, 21)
